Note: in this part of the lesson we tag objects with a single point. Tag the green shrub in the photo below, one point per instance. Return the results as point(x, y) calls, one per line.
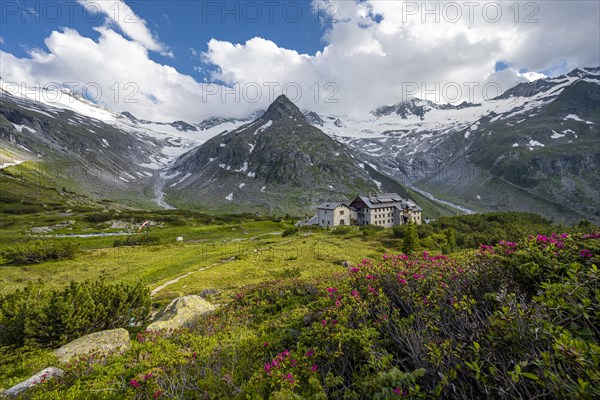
point(99, 217)
point(49, 318)
point(342, 230)
point(369, 230)
point(19, 208)
point(290, 231)
point(38, 251)
point(410, 242)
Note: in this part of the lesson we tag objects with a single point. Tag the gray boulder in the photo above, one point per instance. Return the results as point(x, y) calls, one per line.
point(103, 342)
point(40, 377)
point(180, 313)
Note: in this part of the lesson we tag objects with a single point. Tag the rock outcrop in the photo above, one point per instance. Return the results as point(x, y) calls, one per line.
point(40, 377)
point(103, 342)
point(180, 313)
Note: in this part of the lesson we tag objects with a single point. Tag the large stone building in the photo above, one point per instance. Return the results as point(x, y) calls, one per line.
point(387, 210)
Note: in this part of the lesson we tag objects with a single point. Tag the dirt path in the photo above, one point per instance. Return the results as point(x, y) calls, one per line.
point(173, 281)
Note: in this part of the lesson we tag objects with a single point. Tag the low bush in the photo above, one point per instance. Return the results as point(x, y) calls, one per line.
point(342, 230)
point(289, 232)
point(99, 217)
point(42, 317)
point(20, 209)
point(38, 251)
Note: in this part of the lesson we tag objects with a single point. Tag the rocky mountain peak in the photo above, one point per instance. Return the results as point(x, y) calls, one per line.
point(281, 108)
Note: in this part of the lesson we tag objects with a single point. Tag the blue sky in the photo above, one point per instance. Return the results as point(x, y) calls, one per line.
point(181, 25)
point(182, 59)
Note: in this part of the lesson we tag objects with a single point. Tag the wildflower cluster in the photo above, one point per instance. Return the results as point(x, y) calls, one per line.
point(290, 369)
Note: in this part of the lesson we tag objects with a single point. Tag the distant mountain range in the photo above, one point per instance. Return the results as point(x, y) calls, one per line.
point(536, 147)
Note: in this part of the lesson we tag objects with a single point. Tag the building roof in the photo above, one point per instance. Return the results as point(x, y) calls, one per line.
point(389, 200)
point(330, 206)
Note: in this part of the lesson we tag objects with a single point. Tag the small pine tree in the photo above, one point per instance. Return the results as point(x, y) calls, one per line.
point(410, 243)
point(451, 238)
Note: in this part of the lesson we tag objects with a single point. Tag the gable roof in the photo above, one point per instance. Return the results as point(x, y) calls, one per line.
point(330, 206)
point(388, 200)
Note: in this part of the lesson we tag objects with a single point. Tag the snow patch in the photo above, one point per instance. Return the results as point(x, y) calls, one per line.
point(21, 127)
point(535, 143)
point(265, 126)
point(556, 135)
point(242, 185)
point(252, 174)
point(573, 117)
point(104, 143)
point(515, 144)
point(10, 164)
point(230, 197)
point(244, 168)
point(182, 179)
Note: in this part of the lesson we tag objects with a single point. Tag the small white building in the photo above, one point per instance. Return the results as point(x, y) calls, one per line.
point(334, 214)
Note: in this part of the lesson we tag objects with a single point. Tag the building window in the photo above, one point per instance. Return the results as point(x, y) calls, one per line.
point(341, 212)
point(322, 221)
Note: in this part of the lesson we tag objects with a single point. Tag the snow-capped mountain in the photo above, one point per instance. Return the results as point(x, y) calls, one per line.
point(453, 150)
point(536, 147)
point(109, 154)
point(276, 162)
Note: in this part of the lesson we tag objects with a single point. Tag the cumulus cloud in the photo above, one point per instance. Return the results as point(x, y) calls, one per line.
point(118, 74)
point(375, 52)
point(120, 14)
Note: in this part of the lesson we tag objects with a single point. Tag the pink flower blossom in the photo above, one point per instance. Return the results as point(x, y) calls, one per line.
point(290, 378)
point(586, 253)
point(134, 383)
point(354, 269)
point(314, 368)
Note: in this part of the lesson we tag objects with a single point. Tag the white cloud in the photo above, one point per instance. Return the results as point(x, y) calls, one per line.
point(376, 49)
point(146, 88)
point(373, 51)
point(119, 13)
